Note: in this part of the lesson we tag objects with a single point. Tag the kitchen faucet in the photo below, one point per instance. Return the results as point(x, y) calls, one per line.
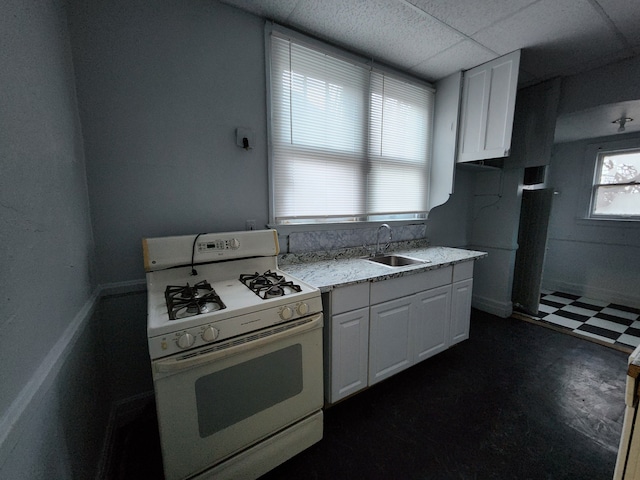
point(378, 251)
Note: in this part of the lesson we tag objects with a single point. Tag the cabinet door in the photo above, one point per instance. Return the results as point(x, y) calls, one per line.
point(534, 124)
point(349, 354)
point(488, 104)
point(390, 338)
point(432, 313)
point(461, 310)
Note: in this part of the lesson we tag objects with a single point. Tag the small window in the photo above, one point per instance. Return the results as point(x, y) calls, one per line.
point(616, 185)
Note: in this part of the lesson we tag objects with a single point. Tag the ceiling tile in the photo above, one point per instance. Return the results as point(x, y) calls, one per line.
point(462, 56)
point(389, 31)
point(559, 35)
point(274, 9)
point(433, 38)
point(470, 16)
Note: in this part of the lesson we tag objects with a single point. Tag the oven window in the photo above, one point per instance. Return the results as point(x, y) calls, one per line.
point(229, 396)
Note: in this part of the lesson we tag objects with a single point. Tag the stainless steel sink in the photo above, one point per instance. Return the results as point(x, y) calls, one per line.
point(396, 260)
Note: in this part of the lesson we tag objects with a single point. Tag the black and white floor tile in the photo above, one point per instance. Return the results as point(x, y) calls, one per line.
point(608, 323)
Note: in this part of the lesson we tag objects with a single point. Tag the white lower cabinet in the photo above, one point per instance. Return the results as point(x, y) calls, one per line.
point(432, 313)
point(461, 310)
point(375, 330)
point(346, 333)
point(408, 330)
point(349, 353)
point(390, 338)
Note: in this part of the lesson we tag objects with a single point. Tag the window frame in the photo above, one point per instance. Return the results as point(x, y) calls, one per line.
point(595, 157)
point(327, 221)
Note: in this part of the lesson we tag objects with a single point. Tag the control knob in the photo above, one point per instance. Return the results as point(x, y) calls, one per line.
point(209, 334)
point(186, 340)
point(234, 243)
point(286, 313)
point(302, 308)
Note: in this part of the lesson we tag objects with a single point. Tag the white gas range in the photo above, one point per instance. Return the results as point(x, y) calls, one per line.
point(236, 350)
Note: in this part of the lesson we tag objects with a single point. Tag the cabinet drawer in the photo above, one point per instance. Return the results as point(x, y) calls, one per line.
point(351, 297)
point(409, 284)
point(462, 271)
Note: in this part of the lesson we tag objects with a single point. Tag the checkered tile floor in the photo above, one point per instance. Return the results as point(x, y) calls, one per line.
point(606, 322)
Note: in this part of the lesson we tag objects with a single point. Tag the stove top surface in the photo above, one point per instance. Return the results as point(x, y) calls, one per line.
point(189, 300)
point(233, 293)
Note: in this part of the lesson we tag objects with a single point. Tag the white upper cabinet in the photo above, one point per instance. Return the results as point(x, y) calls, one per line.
point(488, 103)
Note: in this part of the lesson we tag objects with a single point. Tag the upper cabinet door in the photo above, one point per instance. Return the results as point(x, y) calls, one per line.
point(488, 103)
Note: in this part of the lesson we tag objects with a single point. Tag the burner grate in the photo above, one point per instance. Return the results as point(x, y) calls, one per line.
point(186, 301)
point(269, 284)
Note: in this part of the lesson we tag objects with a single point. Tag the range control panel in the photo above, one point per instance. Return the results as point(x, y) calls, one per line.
point(219, 244)
point(219, 330)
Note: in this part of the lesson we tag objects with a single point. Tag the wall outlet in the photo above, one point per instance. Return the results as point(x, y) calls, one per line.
point(250, 225)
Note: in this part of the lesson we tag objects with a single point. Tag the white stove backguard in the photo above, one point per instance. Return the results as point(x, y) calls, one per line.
point(167, 252)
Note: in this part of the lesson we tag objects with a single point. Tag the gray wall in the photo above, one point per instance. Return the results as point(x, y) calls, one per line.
point(580, 258)
point(617, 82)
point(493, 228)
point(48, 361)
point(598, 259)
point(159, 89)
point(162, 87)
point(449, 224)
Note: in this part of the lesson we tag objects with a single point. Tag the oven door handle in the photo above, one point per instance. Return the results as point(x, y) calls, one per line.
point(176, 364)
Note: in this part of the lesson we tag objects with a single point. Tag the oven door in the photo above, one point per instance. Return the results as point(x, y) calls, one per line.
point(216, 401)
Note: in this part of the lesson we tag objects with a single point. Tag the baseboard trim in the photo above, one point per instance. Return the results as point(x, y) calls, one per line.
point(122, 288)
point(507, 247)
point(130, 408)
point(120, 413)
point(501, 309)
point(106, 453)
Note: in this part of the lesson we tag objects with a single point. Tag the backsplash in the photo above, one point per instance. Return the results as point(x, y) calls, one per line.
point(318, 245)
point(300, 242)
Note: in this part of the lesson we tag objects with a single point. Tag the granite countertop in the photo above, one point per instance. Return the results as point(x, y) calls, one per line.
point(328, 273)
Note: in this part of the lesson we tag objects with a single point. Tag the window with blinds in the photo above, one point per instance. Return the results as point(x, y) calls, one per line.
point(616, 185)
point(348, 143)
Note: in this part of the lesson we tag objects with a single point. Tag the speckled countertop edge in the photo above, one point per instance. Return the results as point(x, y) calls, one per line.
point(324, 271)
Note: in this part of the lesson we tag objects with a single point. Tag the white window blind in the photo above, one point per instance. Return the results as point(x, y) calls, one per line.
point(348, 144)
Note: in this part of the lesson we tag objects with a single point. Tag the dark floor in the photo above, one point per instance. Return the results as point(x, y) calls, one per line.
point(515, 401)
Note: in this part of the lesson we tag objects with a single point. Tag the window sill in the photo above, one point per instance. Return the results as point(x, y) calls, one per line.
point(608, 222)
